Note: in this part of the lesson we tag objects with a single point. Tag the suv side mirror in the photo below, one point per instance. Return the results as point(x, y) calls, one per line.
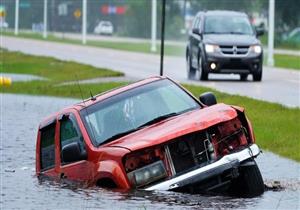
point(208, 99)
point(260, 31)
point(196, 31)
point(72, 152)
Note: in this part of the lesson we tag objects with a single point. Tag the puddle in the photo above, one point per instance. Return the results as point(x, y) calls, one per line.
point(20, 187)
point(22, 77)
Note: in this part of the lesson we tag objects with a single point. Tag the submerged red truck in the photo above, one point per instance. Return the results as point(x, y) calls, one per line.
point(152, 135)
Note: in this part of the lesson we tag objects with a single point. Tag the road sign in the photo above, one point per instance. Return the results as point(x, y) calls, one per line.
point(77, 13)
point(63, 9)
point(108, 10)
point(2, 11)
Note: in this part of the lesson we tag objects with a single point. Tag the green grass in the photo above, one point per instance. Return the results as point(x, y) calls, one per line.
point(142, 47)
point(287, 61)
point(276, 127)
point(52, 89)
point(52, 69)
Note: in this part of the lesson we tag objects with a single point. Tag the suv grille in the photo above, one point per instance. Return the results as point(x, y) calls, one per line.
point(234, 50)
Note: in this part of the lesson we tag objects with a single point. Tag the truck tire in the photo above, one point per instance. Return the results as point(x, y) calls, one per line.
point(249, 183)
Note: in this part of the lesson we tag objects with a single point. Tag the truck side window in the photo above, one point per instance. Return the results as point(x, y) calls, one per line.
point(47, 150)
point(69, 133)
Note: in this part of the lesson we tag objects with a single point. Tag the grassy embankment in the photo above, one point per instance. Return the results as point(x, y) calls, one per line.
point(276, 127)
point(283, 61)
point(287, 61)
point(142, 47)
point(55, 71)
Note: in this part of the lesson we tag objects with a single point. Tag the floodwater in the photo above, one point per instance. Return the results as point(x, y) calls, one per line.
point(22, 77)
point(20, 188)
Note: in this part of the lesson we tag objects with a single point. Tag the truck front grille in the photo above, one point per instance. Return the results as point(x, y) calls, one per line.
point(189, 151)
point(200, 148)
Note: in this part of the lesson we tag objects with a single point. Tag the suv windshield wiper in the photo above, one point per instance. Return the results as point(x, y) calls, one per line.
point(155, 120)
point(237, 33)
point(213, 32)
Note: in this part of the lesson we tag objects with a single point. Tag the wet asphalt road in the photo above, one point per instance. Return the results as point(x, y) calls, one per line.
point(280, 86)
point(20, 188)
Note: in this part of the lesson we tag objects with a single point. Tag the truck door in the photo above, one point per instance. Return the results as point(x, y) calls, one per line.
point(80, 168)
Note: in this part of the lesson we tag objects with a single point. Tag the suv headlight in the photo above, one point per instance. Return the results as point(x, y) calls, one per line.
point(256, 49)
point(147, 174)
point(210, 48)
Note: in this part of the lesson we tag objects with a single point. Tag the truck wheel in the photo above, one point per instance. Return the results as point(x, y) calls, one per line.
point(203, 75)
point(249, 183)
point(191, 71)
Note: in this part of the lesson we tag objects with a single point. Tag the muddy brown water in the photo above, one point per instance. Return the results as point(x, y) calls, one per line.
point(20, 188)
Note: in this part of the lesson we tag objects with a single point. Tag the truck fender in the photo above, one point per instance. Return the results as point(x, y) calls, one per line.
point(112, 170)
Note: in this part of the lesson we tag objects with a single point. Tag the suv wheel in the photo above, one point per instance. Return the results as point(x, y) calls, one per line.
point(257, 76)
point(191, 71)
point(203, 75)
point(243, 77)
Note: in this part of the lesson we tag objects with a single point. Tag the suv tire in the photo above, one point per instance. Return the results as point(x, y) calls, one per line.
point(257, 76)
point(203, 75)
point(191, 71)
point(243, 77)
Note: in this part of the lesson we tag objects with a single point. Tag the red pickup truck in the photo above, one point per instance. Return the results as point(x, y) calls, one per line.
point(152, 135)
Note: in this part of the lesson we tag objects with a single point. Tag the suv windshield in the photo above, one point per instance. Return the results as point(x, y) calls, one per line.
point(135, 108)
point(227, 25)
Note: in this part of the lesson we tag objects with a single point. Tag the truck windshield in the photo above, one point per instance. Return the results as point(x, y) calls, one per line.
point(227, 25)
point(133, 109)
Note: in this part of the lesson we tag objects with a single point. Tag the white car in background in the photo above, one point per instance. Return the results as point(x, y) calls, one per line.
point(3, 24)
point(104, 27)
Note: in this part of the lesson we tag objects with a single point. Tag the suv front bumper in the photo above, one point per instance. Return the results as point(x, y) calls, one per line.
point(227, 163)
point(233, 64)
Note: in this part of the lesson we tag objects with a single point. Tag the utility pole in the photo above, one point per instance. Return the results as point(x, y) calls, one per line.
point(17, 18)
point(163, 16)
point(271, 33)
point(45, 18)
point(84, 8)
point(153, 26)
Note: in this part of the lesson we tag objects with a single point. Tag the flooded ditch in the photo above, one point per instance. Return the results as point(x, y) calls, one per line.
point(20, 188)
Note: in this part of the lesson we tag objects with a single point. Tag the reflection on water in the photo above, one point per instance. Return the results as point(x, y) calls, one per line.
point(20, 187)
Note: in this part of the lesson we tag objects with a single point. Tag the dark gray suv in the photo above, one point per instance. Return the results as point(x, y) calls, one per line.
point(224, 42)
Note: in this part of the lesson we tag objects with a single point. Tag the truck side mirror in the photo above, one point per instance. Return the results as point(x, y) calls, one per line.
point(72, 152)
point(208, 98)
